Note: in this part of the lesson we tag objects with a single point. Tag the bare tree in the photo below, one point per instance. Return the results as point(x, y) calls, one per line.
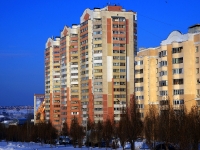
point(151, 126)
point(65, 129)
point(135, 124)
point(107, 131)
point(80, 135)
point(99, 132)
point(194, 130)
point(122, 128)
point(73, 131)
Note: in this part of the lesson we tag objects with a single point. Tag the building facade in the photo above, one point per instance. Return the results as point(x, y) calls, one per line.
point(93, 66)
point(52, 81)
point(169, 74)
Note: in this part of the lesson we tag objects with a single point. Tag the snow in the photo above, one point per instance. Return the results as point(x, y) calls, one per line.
point(37, 146)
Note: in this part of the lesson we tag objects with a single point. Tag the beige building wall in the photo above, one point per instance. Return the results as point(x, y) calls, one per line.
point(169, 74)
point(146, 79)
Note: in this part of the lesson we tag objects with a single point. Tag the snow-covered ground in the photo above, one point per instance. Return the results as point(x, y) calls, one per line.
point(38, 146)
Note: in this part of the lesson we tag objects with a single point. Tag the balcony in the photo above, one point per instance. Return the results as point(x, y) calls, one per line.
point(178, 107)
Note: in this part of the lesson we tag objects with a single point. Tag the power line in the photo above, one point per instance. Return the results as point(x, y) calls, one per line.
point(150, 33)
point(158, 20)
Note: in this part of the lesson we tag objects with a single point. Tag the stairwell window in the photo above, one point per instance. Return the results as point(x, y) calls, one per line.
point(197, 70)
point(197, 59)
point(197, 49)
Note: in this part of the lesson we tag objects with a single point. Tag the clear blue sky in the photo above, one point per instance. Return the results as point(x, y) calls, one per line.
point(25, 26)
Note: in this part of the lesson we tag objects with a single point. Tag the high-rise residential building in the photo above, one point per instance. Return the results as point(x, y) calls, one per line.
point(52, 81)
point(169, 74)
point(89, 70)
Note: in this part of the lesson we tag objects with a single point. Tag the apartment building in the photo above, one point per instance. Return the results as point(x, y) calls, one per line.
point(169, 74)
point(52, 81)
point(94, 68)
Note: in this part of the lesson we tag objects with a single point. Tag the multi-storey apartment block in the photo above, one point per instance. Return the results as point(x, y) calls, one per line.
point(96, 67)
point(169, 74)
point(52, 81)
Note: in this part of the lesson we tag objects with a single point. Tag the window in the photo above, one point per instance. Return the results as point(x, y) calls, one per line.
point(197, 70)
point(162, 93)
point(139, 62)
point(140, 71)
point(97, 58)
point(119, 57)
point(119, 90)
point(178, 102)
point(141, 97)
point(115, 70)
point(177, 60)
point(74, 74)
point(97, 51)
point(98, 90)
point(97, 45)
point(84, 29)
point(97, 26)
point(84, 84)
point(98, 96)
point(139, 88)
point(120, 96)
point(178, 71)
point(122, 76)
point(97, 64)
point(97, 32)
point(74, 96)
point(74, 91)
point(178, 81)
point(139, 106)
point(98, 77)
point(163, 73)
point(97, 70)
point(97, 39)
point(122, 70)
point(141, 115)
point(197, 49)
point(162, 63)
point(163, 83)
point(162, 54)
point(198, 91)
point(138, 80)
point(84, 78)
point(85, 91)
point(179, 92)
point(177, 50)
point(197, 59)
point(85, 96)
point(84, 35)
point(97, 83)
point(198, 81)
